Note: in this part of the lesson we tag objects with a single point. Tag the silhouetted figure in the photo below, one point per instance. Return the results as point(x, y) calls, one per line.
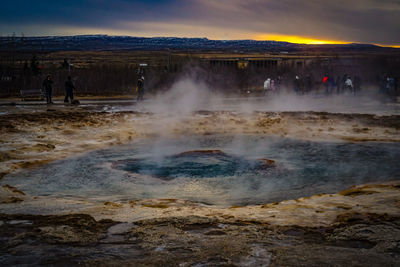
point(390, 86)
point(69, 90)
point(302, 86)
point(140, 88)
point(381, 80)
point(349, 85)
point(278, 84)
point(65, 64)
point(297, 84)
point(48, 89)
point(357, 84)
point(331, 81)
point(343, 83)
point(338, 86)
point(308, 84)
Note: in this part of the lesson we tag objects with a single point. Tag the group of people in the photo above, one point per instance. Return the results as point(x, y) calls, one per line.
point(48, 89)
point(272, 86)
point(344, 84)
point(301, 86)
point(338, 85)
point(70, 87)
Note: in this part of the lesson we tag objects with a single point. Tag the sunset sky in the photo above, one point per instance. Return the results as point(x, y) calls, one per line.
point(304, 21)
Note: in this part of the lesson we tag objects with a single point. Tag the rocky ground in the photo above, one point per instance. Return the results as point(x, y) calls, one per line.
point(350, 238)
point(356, 227)
point(31, 139)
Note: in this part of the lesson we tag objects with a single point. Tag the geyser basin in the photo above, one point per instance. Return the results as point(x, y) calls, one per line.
point(225, 170)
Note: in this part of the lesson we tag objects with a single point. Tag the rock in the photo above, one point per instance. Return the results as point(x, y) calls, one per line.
point(370, 240)
point(215, 232)
point(112, 204)
point(28, 222)
point(67, 234)
point(155, 205)
point(2, 174)
point(4, 156)
point(268, 162)
point(13, 189)
point(120, 228)
point(353, 192)
point(10, 200)
point(43, 147)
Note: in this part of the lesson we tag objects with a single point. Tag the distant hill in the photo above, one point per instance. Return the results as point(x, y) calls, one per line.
point(118, 43)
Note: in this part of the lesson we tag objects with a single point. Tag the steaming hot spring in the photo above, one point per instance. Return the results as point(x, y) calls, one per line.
point(219, 170)
point(218, 151)
point(203, 181)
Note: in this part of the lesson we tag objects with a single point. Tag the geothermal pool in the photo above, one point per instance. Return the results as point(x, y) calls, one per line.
point(217, 170)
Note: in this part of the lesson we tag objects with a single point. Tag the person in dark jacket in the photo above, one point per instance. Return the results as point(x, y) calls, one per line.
point(297, 84)
point(140, 88)
point(69, 90)
point(308, 84)
point(332, 84)
point(48, 89)
point(338, 86)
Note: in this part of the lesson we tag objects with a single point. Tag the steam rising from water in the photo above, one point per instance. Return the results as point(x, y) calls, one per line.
point(302, 168)
point(188, 95)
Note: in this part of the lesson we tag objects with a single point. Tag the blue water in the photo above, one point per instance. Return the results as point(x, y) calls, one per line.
point(234, 175)
point(193, 164)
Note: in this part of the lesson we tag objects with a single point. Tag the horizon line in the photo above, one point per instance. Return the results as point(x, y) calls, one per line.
point(311, 41)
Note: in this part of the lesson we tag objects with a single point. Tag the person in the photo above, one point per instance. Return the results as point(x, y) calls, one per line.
point(297, 84)
point(332, 84)
point(267, 86)
point(48, 89)
point(273, 89)
point(140, 88)
point(69, 90)
point(387, 85)
point(349, 85)
point(343, 83)
point(337, 83)
point(308, 84)
point(325, 82)
point(390, 86)
point(278, 84)
point(357, 84)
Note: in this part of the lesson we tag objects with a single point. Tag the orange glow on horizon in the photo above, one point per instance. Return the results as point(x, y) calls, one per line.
point(305, 40)
point(393, 46)
point(297, 39)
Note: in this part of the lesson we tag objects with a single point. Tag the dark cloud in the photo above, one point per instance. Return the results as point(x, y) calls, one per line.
point(374, 21)
point(370, 21)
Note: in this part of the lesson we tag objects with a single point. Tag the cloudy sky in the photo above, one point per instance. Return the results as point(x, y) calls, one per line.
point(309, 21)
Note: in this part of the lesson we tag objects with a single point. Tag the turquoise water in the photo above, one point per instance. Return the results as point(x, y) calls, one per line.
point(218, 170)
